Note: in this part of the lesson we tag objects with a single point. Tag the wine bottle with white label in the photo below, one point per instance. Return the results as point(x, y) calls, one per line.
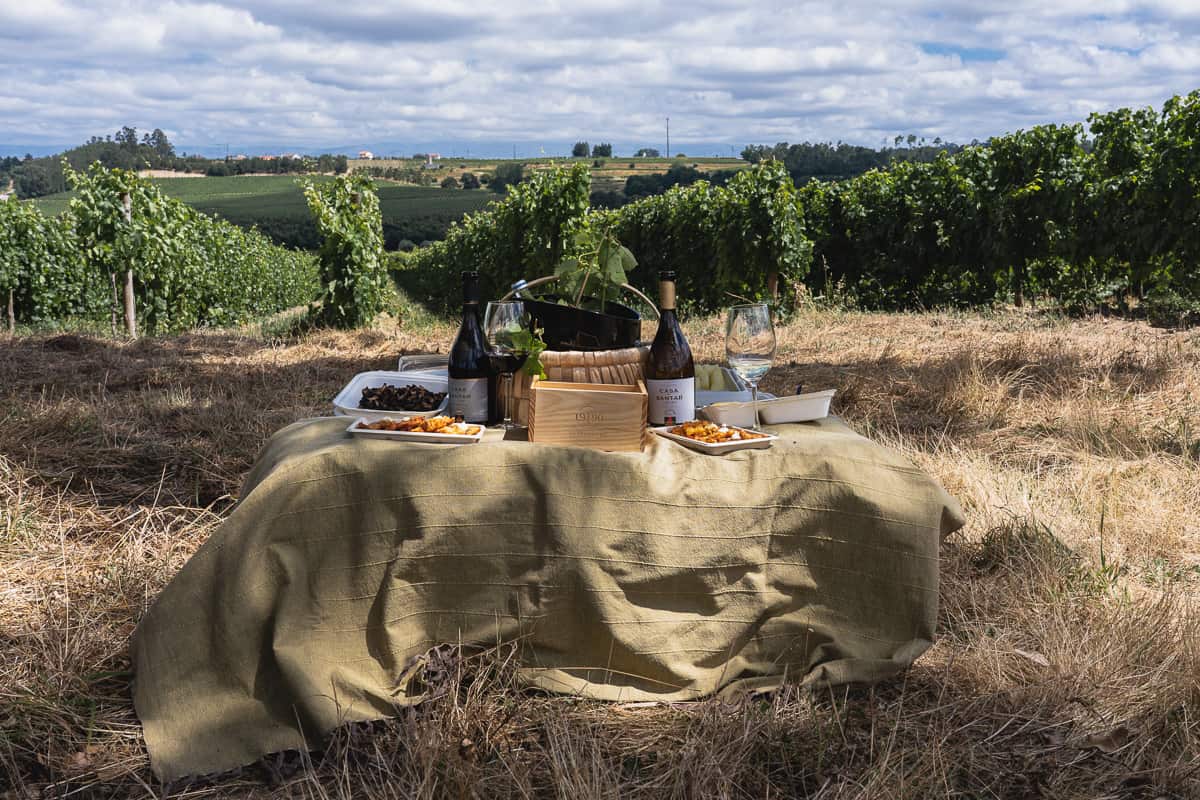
point(671, 372)
point(470, 366)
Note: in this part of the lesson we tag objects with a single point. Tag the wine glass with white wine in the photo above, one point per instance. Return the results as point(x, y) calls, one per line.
point(750, 345)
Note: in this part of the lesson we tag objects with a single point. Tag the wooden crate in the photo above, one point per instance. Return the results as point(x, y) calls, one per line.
point(607, 366)
point(598, 415)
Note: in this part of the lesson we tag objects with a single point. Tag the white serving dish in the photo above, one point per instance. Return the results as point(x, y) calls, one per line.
point(706, 397)
point(796, 408)
point(347, 400)
point(718, 448)
point(772, 410)
point(739, 414)
point(412, 436)
point(424, 363)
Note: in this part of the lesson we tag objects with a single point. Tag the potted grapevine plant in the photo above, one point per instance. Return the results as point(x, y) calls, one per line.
point(582, 313)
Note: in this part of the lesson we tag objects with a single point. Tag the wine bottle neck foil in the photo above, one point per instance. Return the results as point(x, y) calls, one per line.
point(666, 296)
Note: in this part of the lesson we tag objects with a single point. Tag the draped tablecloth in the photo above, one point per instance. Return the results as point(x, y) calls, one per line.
point(662, 575)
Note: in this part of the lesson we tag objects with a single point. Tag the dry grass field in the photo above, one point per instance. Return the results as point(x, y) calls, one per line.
point(1068, 663)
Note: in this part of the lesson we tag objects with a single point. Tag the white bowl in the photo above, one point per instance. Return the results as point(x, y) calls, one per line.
point(740, 415)
point(773, 411)
point(347, 400)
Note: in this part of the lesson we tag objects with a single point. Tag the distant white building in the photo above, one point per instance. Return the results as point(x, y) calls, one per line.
point(366, 155)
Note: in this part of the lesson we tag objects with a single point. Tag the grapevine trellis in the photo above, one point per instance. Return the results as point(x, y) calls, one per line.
point(178, 268)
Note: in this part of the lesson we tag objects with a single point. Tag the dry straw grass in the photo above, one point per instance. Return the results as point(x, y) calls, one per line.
point(1069, 659)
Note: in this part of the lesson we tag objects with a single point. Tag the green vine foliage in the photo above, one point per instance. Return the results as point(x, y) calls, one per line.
point(524, 235)
point(352, 274)
point(41, 265)
point(189, 269)
point(723, 242)
point(1040, 212)
point(597, 266)
point(720, 240)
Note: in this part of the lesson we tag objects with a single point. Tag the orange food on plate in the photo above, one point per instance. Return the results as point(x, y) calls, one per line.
point(712, 433)
point(446, 425)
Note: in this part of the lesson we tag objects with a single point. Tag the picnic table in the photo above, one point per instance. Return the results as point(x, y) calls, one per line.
point(661, 575)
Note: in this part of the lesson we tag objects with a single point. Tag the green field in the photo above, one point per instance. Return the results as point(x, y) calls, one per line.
point(276, 205)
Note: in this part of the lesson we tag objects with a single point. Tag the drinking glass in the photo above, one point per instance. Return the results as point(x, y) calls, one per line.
point(501, 320)
point(750, 345)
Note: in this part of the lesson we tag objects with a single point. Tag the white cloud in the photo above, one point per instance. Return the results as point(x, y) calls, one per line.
point(286, 74)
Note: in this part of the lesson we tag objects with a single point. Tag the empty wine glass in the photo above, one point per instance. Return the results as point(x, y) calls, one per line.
point(750, 345)
point(501, 321)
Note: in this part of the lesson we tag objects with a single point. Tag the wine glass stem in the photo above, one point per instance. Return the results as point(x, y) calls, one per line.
point(508, 405)
point(754, 398)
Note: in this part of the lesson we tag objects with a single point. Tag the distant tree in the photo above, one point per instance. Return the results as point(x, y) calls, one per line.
point(681, 155)
point(602, 150)
point(162, 146)
point(470, 181)
point(646, 185)
point(33, 181)
point(510, 173)
point(755, 153)
point(450, 182)
point(607, 199)
point(647, 152)
point(127, 138)
point(580, 150)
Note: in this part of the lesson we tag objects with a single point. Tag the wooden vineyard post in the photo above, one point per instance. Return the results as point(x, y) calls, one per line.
point(773, 285)
point(12, 313)
point(130, 307)
point(112, 317)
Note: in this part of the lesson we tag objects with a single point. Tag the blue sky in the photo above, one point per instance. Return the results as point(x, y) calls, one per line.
point(278, 75)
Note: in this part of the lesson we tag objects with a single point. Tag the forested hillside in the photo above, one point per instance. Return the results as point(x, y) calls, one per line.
point(38, 177)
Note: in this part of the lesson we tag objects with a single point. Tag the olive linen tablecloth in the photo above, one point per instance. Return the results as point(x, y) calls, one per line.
point(661, 575)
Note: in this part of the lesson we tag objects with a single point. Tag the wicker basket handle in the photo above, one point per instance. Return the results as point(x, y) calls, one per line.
point(551, 278)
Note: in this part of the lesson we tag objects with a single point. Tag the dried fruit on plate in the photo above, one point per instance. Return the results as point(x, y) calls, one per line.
point(712, 433)
point(394, 398)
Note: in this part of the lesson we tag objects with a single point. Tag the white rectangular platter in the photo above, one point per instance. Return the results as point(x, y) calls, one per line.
point(797, 407)
point(411, 436)
point(718, 448)
point(347, 400)
point(772, 411)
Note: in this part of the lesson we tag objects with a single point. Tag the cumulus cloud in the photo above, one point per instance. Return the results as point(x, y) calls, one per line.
point(288, 74)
